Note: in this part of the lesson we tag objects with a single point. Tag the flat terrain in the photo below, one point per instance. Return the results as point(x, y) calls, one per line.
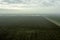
point(26, 21)
point(28, 28)
point(55, 17)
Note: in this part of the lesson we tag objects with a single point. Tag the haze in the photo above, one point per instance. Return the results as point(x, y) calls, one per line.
point(29, 6)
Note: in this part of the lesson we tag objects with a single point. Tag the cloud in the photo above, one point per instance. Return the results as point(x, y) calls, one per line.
point(16, 4)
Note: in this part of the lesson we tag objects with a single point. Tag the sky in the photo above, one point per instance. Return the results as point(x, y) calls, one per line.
point(29, 6)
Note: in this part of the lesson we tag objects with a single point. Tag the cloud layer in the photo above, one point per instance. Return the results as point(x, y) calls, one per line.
point(16, 4)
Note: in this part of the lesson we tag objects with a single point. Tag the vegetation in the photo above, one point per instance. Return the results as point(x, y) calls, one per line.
point(28, 28)
point(55, 18)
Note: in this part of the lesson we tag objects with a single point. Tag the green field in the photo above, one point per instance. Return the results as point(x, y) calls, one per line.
point(55, 18)
point(28, 28)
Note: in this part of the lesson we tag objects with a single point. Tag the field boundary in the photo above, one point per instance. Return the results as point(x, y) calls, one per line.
point(52, 21)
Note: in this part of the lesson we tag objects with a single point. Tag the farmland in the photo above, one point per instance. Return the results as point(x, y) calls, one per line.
point(55, 18)
point(28, 28)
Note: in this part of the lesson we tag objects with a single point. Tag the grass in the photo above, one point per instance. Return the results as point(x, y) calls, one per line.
point(29, 34)
point(55, 18)
point(28, 28)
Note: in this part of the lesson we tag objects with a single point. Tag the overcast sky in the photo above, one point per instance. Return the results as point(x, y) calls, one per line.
point(29, 6)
